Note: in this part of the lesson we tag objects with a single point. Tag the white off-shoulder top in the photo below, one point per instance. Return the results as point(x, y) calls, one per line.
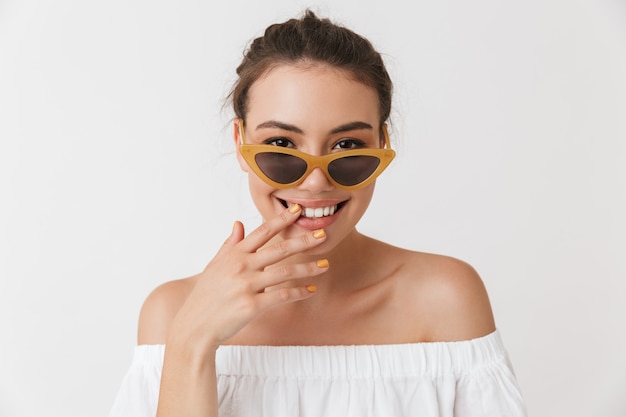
point(443, 379)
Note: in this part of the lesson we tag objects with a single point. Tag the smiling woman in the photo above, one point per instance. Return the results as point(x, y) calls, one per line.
point(305, 315)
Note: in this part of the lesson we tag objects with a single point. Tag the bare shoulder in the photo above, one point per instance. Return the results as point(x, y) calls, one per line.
point(160, 308)
point(449, 295)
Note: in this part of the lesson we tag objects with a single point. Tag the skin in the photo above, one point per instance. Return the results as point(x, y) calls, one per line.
point(254, 291)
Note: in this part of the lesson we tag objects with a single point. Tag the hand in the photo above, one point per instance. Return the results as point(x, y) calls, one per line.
point(230, 292)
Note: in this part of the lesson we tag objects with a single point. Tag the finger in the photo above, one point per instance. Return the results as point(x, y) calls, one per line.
point(281, 250)
point(279, 274)
point(238, 232)
point(262, 234)
point(284, 295)
point(236, 235)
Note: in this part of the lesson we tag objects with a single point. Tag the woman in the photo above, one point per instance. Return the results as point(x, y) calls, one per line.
point(305, 315)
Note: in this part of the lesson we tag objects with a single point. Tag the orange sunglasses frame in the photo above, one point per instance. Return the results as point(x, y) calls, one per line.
point(385, 155)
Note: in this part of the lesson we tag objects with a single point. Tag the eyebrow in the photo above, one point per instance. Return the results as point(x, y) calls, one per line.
point(280, 125)
point(352, 126)
point(292, 128)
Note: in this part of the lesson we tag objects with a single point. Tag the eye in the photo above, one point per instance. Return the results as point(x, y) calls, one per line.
point(282, 142)
point(349, 144)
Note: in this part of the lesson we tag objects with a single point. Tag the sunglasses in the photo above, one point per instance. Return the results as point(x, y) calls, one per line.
point(287, 167)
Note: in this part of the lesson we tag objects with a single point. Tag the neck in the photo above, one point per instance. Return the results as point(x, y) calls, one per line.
point(352, 265)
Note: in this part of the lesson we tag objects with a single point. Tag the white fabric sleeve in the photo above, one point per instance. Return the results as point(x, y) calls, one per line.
point(491, 390)
point(139, 392)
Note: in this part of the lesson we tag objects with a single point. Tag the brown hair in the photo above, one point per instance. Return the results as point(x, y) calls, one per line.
point(312, 40)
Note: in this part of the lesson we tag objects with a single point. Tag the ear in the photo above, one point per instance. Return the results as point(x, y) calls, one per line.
point(384, 133)
point(237, 138)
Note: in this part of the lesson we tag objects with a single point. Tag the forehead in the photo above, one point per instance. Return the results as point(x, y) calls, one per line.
point(311, 95)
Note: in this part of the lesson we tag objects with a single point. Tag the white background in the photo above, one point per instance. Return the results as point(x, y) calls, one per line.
point(117, 173)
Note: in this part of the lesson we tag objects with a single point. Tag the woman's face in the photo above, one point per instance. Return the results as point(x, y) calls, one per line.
point(317, 110)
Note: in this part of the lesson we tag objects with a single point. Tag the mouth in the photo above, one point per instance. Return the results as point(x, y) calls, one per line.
point(316, 212)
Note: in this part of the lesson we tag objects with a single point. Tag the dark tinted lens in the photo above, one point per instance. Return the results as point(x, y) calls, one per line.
point(353, 170)
point(280, 167)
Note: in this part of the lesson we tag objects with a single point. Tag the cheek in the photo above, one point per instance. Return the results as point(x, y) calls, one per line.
point(261, 193)
point(362, 199)
point(363, 196)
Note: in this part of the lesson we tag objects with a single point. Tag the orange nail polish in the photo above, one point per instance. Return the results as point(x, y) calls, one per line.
point(318, 234)
point(311, 288)
point(322, 263)
point(294, 208)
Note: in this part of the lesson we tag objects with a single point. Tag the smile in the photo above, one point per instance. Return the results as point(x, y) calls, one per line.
point(316, 212)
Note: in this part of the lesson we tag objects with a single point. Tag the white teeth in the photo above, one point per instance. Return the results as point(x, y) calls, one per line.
point(316, 212)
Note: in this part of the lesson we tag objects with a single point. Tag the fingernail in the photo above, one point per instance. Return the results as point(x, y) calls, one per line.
point(294, 208)
point(318, 234)
point(322, 263)
point(234, 225)
point(311, 288)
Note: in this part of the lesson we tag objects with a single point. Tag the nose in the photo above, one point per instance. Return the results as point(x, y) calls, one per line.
point(316, 182)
